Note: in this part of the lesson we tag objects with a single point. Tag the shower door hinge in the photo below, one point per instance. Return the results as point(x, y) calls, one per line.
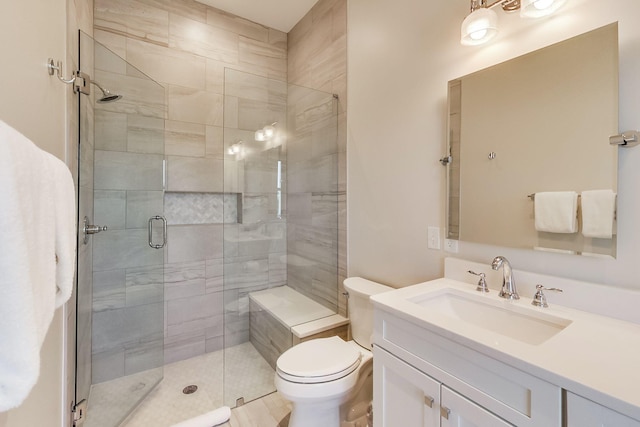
point(82, 83)
point(79, 412)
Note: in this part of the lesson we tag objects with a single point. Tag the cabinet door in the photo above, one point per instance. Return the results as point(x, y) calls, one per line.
point(458, 411)
point(402, 395)
point(585, 413)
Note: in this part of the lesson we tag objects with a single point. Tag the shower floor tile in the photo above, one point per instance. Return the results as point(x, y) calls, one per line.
point(248, 376)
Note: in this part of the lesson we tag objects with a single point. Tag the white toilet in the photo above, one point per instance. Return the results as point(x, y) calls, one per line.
point(328, 380)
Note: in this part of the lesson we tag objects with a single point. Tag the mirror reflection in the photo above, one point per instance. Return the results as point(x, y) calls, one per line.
point(531, 165)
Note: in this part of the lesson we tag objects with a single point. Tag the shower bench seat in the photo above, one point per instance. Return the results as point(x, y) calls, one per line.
point(282, 317)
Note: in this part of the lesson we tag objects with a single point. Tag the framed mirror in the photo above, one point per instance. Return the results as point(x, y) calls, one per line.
point(537, 123)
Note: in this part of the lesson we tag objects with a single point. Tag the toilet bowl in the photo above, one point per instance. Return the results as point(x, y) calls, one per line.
point(329, 380)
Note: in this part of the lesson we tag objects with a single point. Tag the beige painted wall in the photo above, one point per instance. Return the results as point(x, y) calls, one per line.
point(401, 55)
point(34, 103)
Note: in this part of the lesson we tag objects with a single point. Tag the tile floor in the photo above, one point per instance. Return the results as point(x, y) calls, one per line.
point(166, 404)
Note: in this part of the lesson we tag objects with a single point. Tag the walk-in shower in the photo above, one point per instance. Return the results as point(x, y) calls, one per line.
point(251, 231)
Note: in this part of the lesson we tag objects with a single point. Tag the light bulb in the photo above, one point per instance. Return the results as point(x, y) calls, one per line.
point(269, 131)
point(260, 135)
point(236, 148)
point(478, 35)
point(479, 27)
point(539, 8)
point(542, 4)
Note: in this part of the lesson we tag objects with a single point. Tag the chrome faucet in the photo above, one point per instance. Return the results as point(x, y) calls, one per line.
point(508, 290)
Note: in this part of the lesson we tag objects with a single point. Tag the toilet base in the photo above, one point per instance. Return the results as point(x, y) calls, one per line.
point(315, 414)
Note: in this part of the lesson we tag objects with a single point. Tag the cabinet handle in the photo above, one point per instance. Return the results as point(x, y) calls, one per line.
point(444, 412)
point(428, 400)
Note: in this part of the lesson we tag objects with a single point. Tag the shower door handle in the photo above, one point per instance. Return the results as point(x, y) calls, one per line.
point(164, 231)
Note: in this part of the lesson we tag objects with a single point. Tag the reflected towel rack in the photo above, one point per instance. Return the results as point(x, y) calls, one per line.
point(532, 196)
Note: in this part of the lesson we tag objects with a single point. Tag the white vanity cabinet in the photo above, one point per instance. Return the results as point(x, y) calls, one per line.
point(413, 365)
point(404, 396)
point(458, 411)
point(407, 397)
point(582, 412)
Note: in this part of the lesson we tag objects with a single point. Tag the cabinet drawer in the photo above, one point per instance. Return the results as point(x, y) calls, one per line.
point(514, 395)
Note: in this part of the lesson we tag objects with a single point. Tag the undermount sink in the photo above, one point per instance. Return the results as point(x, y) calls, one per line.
point(503, 317)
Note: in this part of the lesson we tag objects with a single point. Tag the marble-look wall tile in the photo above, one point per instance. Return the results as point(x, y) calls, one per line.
point(195, 106)
point(235, 24)
point(214, 275)
point(186, 8)
point(116, 249)
point(107, 365)
point(204, 40)
point(132, 18)
point(194, 243)
point(185, 346)
point(324, 210)
point(110, 208)
point(127, 171)
point(116, 43)
point(277, 269)
point(144, 285)
point(215, 76)
point(245, 272)
point(142, 205)
point(109, 290)
point(184, 280)
point(140, 95)
point(264, 56)
point(167, 65)
point(214, 138)
point(184, 139)
point(194, 310)
point(145, 134)
point(144, 356)
point(194, 174)
point(126, 327)
point(317, 170)
point(110, 131)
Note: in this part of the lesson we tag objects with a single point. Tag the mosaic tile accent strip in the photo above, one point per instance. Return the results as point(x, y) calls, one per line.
point(200, 208)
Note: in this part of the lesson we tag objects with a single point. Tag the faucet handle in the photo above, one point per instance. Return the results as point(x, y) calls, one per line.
point(482, 283)
point(539, 299)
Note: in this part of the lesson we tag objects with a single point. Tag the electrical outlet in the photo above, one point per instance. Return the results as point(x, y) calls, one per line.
point(433, 237)
point(451, 246)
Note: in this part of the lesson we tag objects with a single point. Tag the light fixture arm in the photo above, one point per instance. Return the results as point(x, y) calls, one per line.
point(507, 5)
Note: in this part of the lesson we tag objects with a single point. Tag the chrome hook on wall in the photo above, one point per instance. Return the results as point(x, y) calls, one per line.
point(79, 80)
point(53, 67)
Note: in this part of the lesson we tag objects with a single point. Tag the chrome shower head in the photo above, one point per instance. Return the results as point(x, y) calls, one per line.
point(107, 96)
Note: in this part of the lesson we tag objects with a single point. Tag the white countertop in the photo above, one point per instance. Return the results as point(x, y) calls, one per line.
point(596, 357)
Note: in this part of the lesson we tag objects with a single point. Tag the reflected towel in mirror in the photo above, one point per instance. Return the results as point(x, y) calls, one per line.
point(556, 211)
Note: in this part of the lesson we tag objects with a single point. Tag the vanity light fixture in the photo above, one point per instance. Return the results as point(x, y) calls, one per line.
point(481, 25)
point(266, 133)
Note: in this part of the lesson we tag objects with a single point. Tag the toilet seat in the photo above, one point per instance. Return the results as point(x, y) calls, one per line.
point(319, 360)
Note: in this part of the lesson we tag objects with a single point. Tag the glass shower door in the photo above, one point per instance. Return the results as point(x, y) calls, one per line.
point(120, 313)
point(281, 252)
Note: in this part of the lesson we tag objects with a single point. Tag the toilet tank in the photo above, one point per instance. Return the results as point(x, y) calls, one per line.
point(361, 309)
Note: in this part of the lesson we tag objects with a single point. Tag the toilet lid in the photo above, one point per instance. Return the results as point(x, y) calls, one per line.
point(318, 360)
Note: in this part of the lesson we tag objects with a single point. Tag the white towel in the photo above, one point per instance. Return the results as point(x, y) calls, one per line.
point(210, 419)
point(34, 231)
point(556, 211)
point(598, 210)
